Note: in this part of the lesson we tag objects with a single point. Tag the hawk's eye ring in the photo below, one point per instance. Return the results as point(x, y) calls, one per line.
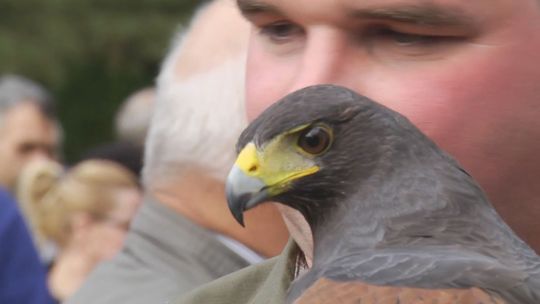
point(315, 140)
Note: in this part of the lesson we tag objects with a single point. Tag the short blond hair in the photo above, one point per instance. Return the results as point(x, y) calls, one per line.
point(50, 196)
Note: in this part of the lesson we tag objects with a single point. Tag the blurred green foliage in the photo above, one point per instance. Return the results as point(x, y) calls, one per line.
point(91, 54)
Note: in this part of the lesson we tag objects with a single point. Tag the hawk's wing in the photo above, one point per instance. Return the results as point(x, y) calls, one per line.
point(434, 272)
point(328, 291)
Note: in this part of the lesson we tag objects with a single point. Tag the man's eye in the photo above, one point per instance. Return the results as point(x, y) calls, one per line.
point(281, 32)
point(27, 148)
point(389, 43)
point(408, 39)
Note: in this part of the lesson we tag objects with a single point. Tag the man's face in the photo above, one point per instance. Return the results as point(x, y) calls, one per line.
point(465, 72)
point(25, 134)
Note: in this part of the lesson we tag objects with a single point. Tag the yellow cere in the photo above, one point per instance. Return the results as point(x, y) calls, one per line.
point(279, 163)
point(247, 159)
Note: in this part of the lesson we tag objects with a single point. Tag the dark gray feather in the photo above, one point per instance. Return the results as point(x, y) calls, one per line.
point(388, 207)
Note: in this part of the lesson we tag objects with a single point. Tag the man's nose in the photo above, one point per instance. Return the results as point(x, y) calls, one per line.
point(323, 60)
point(41, 153)
point(37, 156)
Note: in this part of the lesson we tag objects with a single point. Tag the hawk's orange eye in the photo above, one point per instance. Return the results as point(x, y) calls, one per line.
point(315, 140)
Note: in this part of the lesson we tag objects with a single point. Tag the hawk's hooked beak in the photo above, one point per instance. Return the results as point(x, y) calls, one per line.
point(245, 188)
point(244, 192)
point(258, 176)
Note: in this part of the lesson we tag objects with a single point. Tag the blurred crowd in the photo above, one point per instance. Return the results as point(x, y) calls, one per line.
point(91, 233)
point(72, 217)
point(144, 219)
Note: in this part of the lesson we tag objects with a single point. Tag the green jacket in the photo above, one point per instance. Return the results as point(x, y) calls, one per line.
point(264, 283)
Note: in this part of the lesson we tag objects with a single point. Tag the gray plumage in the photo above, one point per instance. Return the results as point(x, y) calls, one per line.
point(388, 207)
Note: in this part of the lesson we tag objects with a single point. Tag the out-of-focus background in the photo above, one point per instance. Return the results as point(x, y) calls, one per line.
point(91, 54)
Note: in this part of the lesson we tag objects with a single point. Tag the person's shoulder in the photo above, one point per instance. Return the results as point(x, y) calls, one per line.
point(266, 282)
point(8, 206)
point(12, 225)
point(7, 202)
point(124, 279)
point(22, 277)
point(237, 287)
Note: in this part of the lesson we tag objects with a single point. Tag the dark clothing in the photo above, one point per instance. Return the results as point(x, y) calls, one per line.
point(22, 276)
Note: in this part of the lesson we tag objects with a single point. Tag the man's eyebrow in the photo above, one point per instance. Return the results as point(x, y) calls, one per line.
point(428, 14)
point(254, 7)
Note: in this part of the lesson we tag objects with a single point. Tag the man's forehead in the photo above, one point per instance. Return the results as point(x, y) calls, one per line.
point(26, 123)
point(447, 10)
point(49, 136)
point(370, 3)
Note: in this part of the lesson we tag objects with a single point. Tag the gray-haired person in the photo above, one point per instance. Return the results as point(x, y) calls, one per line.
point(28, 126)
point(184, 235)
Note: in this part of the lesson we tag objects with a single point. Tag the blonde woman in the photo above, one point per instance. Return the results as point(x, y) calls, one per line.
point(85, 212)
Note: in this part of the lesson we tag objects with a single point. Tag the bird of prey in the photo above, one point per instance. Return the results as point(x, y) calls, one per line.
point(394, 219)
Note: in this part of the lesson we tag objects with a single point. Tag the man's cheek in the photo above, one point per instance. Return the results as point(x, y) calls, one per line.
point(268, 78)
point(254, 99)
point(433, 102)
point(263, 88)
point(252, 111)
